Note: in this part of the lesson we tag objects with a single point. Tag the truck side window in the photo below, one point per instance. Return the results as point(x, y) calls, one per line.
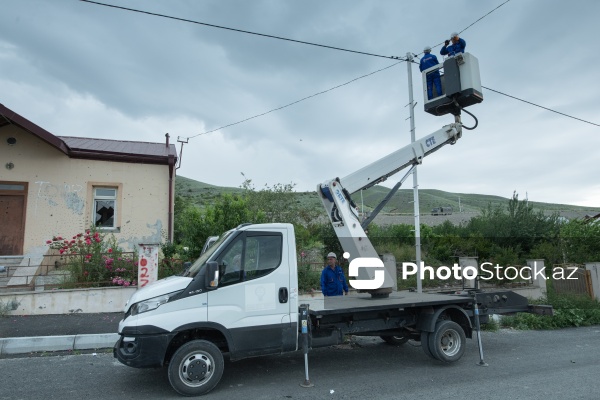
point(230, 264)
point(250, 257)
point(263, 255)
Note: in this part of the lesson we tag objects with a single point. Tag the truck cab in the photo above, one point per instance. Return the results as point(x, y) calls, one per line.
point(241, 296)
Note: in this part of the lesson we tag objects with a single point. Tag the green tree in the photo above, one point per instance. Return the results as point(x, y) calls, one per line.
point(580, 241)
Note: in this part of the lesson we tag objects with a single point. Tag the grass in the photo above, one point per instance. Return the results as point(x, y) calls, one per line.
point(7, 307)
point(569, 311)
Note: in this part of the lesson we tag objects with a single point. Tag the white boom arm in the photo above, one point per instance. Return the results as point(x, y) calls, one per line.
point(343, 213)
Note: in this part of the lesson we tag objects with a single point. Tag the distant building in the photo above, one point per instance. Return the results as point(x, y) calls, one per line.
point(592, 219)
point(442, 211)
point(52, 185)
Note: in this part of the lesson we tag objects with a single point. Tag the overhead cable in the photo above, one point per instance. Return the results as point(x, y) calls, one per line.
point(235, 29)
point(295, 102)
point(537, 105)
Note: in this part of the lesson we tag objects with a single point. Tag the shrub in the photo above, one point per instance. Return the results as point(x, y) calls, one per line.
point(569, 311)
point(93, 259)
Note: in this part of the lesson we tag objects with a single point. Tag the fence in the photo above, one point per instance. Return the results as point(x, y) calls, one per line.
point(573, 279)
point(60, 271)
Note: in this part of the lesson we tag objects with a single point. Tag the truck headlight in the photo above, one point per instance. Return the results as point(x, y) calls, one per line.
point(152, 303)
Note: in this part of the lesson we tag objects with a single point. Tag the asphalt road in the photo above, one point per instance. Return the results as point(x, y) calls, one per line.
point(562, 364)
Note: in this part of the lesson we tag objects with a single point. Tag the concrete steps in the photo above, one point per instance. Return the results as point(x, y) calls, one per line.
point(8, 266)
point(19, 272)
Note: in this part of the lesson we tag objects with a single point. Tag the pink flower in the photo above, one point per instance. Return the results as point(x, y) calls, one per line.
point(74, 237)
point(59, 238)
point(48, 241)
point(98, 240)
point(110, 250)
point(120, 282)
point(88, 256)
point(114, 280)
point(61, 251)
point(88, 242)
point(126, 283)
point(134, 283)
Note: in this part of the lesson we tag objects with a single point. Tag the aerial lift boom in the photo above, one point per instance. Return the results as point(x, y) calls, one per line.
point(463, 81)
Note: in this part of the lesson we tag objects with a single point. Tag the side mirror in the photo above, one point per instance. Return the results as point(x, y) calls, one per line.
point(186, 266)
point(211, 279)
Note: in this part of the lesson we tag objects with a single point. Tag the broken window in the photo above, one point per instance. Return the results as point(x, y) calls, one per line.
point(105, 207)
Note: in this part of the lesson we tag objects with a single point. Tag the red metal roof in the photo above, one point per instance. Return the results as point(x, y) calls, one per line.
point(95, 149)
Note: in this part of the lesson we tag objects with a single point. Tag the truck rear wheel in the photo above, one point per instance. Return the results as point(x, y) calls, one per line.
point(395, 340)
point(425, 344)
point(196, 368)
point(447, 343)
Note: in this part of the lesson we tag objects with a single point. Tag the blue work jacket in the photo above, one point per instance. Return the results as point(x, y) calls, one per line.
point(428, 61)
point(333, 281)
point(454, 49)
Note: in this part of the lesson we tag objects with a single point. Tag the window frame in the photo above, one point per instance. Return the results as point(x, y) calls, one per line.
point(255, 273)
point(118, 187)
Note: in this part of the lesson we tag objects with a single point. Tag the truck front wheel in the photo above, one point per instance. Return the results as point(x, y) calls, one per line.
point(196, 368)
point(447, 343)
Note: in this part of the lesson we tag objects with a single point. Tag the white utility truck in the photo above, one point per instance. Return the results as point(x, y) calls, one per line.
point(240, 297)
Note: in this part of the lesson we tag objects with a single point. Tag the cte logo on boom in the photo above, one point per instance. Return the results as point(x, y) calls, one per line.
point(430, 142)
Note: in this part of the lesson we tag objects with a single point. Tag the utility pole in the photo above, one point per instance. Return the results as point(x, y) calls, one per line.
point(409, 60)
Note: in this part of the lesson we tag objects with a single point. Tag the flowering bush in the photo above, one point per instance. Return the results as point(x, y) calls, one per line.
point(92, 258)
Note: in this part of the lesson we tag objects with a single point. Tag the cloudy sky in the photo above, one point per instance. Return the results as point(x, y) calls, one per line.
point(80, 69)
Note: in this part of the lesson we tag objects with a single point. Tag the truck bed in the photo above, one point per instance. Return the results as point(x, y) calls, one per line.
point(364, 302)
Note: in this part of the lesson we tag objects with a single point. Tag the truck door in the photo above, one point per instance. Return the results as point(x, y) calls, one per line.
point(252, 300)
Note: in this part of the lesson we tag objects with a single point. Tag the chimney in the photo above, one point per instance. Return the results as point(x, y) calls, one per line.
point(167, 136)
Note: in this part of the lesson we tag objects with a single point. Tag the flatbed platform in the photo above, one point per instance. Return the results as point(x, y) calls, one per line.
point(397, 300)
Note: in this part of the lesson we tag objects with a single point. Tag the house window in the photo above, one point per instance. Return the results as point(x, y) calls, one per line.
point(105, 207)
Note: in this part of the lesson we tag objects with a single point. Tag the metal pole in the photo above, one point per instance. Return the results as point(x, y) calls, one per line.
point(481, 363)
point(409, 60)
point(304, 332)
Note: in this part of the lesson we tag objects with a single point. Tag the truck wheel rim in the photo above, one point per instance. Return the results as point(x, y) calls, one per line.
point(196, 369)
point(450, 342)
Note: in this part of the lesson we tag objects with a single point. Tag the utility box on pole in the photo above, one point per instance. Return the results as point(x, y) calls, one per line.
point(461, 85)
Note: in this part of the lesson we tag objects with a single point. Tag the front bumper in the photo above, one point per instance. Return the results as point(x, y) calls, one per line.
point(142, 351)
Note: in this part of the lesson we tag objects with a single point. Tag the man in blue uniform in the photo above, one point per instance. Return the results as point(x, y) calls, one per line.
point(333, 281)
point(433, 78)
point(458, 46)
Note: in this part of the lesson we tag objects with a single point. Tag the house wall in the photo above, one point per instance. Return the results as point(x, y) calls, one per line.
point(60, 191)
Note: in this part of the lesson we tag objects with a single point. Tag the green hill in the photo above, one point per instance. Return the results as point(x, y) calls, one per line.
point(202, 194)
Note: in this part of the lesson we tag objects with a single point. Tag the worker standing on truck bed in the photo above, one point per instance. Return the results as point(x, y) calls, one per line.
point(333, 281)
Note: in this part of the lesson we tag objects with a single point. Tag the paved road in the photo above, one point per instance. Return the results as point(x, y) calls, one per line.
point(545, 365)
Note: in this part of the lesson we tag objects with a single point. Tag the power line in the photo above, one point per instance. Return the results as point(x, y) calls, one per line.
point(295, 102)
point(537, 105)
point(324, 46)
point(476, 21)
point(235, 29)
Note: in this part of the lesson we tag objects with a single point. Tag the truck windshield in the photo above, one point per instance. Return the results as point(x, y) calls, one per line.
point(201, 261)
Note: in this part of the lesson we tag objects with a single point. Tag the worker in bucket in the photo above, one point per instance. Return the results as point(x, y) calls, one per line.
point(333, 281)
point(433, 78)
point(458, 45)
